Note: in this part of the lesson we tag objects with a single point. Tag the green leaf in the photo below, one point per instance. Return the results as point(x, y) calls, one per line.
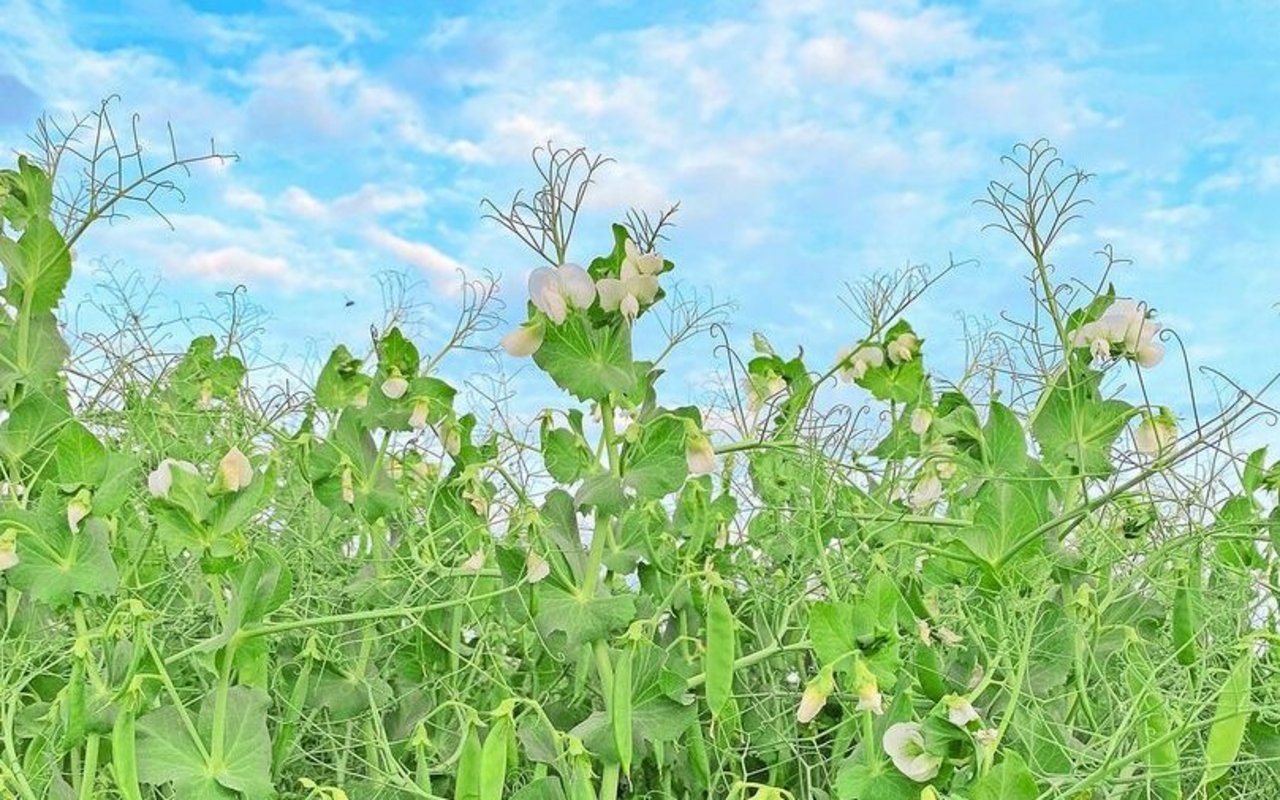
point(655, 465)
point(1076, 428)
point(1005, 440)
point(1011, 779)
point(80, 458)
point(580, 619)
point(167, 754)
point(38, 267)
point(858, 780)
point(57, 564)
point(588, 362)
point(1232, 714)
point(1005, 511)
point(661, 709)
point(566, 455)
point(34, 361)
point(340, 380)
point(398, 353)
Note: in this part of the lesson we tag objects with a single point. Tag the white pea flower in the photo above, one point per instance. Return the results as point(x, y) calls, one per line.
point(924, 631)
point(629, 291)
point(469, 634)
point(78, 509)
point(348, 485)
point(524, 340)
point(535, 567)
point(418, 418)
point(869, 697)
point(234, 470)
point(644, 263)
point(927, 492)
point(960, 711)
point(8, 550)
point(395, 386)
point(903, 348)
point(987, 738)
point(949, 637)
point(1156, 432)
point(921, 419)
point(855, 363)
point(450, 437)
point(475, 562)
point(815, 696)
point(556, 290)
point(904, 743)
point(946, 469)
point(161, 478)
point(1127, 324)
point(793, 678)
point(762, 387)
point(205, 400)
point(361, 399)
point(699, 454)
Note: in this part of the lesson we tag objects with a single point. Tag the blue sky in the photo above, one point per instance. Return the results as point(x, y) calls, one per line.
point(810, 142)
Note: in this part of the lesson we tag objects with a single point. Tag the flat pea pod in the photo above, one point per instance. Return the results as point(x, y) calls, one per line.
point(620, 709)
point(493, 760)
point(1232, 714)
point(466, 782)
point(1154, 725)
point(77, 715)
point(1186, 619)
point(720, 652)
point(287, 733)
point(699, 762)
point(124, 758)
point(929, 672)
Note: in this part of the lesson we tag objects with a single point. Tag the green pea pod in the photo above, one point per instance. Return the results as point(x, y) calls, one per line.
point(929, 672)
point(620, 709)
point(699, 763)
point(124, 760)
point(286, 733)
point(1186, 619)
point(493, 760)
point(1154, 726)
point(1232, 715)
point(581, 785)
point(720, 652)
point(466, 783)
point(77, 714)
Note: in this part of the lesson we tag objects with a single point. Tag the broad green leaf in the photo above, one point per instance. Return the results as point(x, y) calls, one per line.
point(57, 564)
point(661, 708)
point(1006, 509)
point(565, 454)
point(398, 353)
point(38, 266)
point(857, 780)
point(80, 458)
point(1076, 428)
point(655, 465)
point(340, 380)
point(1005, 440)
point(35, 361)
point(1232, 713)
point(1008, 780)
point(167, 754)
point(580, 619)
point(587, 362)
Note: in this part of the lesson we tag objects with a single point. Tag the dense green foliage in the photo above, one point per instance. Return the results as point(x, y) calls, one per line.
point(1012, 586)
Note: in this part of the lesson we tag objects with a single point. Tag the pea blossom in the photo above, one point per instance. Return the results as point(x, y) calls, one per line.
point(1124, 329)
point(904, 744)
point(699, 455)
point(927, 492)
point(636, 285)
point(348, 485)
point(161, 478)
point(234, 470)
point(418, 418)
point(855, 363)
point(395, 386)
point(556, 290)
point(921, 419)
point(78, 509)
point(1156, 432)
point(525, 340)
point(8, 550)
point(960, 712)
point(815, 696)
point(536, 567)
point(903, 348)
point(869, 697)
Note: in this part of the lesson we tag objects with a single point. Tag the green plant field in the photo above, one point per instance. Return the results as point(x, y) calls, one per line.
point(1029, 580)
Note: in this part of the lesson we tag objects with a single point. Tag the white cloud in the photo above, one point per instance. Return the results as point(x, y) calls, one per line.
point(444, 272)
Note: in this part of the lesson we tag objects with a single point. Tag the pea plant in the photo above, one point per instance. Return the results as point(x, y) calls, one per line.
point(849, 580)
